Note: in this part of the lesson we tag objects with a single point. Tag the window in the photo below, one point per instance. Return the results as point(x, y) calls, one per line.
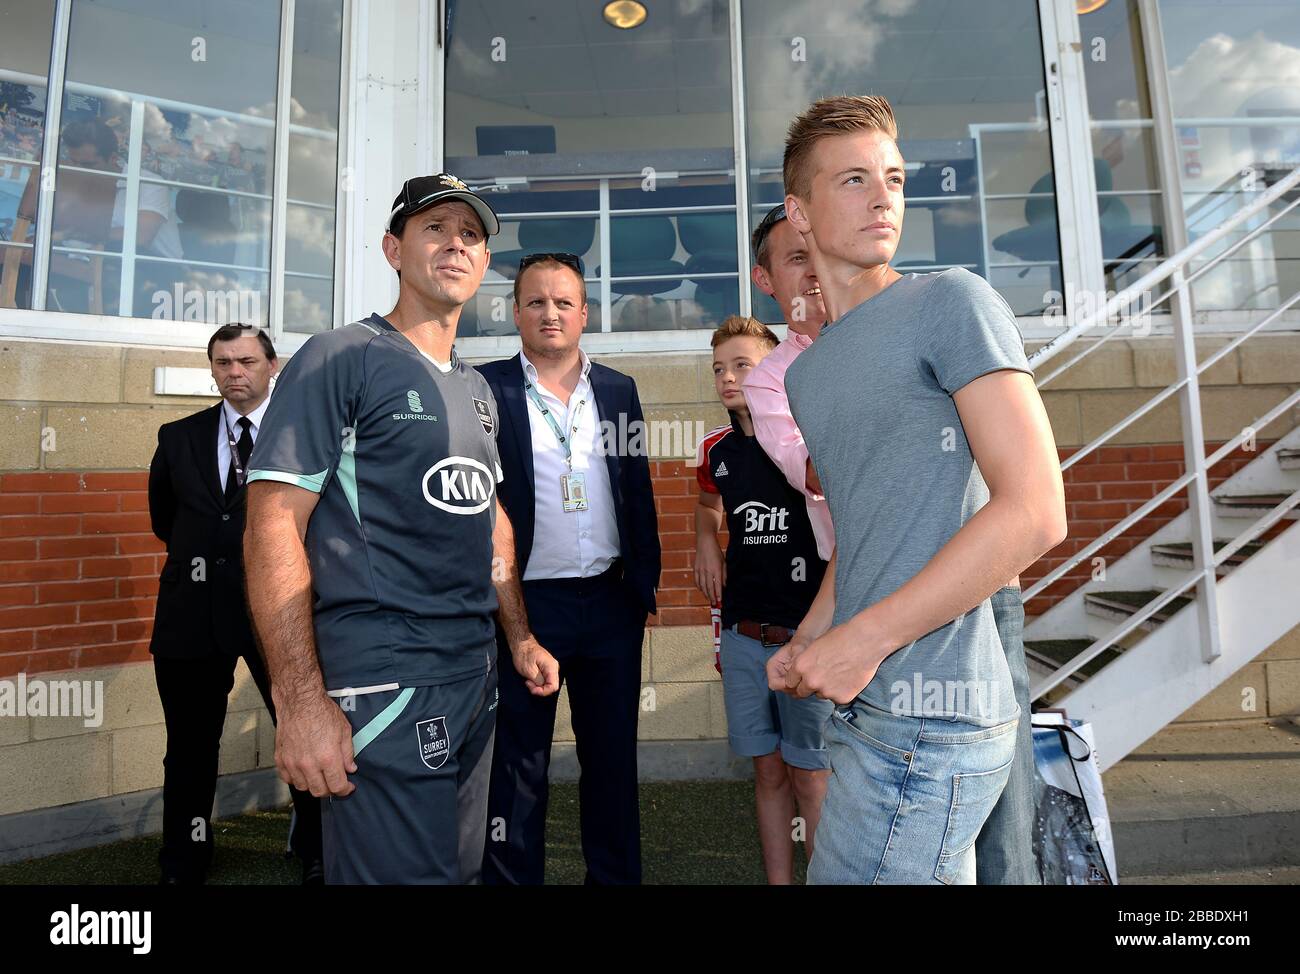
point(1232, 81)
point(1125, 165)
point(966, 84)
point(613, 144)
point(313, 166)
point(163, 199)
point(25, 33)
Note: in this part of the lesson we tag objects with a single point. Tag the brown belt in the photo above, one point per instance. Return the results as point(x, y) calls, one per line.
point(767, 634)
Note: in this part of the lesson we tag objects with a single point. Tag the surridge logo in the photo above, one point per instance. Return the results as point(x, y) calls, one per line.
point(762, 523)
point(416, 408)
point(460, 486)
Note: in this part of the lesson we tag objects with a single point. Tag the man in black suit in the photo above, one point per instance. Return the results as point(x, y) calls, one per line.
point(587, 549)
point(201, 624)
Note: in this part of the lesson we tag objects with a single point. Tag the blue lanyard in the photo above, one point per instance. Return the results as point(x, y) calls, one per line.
point(536, 400)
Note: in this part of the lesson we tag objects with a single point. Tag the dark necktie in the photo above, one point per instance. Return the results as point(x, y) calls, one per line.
point(245, 448)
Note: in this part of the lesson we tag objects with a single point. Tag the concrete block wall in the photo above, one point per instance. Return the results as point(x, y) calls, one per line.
point(50, 761)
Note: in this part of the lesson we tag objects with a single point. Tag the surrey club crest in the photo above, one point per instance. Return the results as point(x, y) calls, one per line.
point(435, 742)
point(484, 415)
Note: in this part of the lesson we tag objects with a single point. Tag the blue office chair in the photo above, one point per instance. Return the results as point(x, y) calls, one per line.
point(711, 240)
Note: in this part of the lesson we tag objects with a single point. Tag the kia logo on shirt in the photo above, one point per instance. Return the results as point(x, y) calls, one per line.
point(458, 485)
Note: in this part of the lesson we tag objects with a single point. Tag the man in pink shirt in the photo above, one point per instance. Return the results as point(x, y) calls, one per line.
point(782, 269)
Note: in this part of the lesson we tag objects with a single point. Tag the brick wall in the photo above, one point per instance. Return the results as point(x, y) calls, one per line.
point(78, 570)
point(79, 565)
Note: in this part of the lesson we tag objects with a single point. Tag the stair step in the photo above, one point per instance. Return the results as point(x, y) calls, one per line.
point(1120, 605)
point(1178, 554)
point(1056, 652)
point(1251, 505)
point(1288, 459)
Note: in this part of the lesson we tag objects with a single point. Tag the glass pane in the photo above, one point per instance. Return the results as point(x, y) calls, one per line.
point(313, 165)
point(165, 158)
point(26, 34)
point(1123, 141)
point(1114, 62)
point(574, 120)
point(308, 303)
point(1237, 111)
point(966, 83)
point(309, 241)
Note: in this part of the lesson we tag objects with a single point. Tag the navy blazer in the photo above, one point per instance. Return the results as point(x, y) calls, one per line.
point(208, 616)
point(629, 476)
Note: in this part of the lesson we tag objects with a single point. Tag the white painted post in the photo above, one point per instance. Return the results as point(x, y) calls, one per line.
point(131, 209)
point(1198, 491)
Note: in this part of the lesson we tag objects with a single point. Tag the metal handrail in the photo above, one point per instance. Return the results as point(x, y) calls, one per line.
point(1066, 670)
point(1106, 538)
point(1205, 559)
point(1210, 461)
point(1174, 387)
point(1164, 271)
point(1211, 264)
point(1095, 649)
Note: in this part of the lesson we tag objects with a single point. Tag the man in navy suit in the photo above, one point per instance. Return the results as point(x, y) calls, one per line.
point(197, 489)
point(577, 490)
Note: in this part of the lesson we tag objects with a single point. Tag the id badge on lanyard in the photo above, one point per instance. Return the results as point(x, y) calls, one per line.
point(573, 484)
point(573, 491)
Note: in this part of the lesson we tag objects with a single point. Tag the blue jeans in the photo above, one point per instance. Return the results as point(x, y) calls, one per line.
point(1004, 851)
point(907, 796)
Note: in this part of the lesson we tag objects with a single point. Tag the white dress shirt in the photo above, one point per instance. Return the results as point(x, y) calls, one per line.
point(223, 445)
point(575, 544)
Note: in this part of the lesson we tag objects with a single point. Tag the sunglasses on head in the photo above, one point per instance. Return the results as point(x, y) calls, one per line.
point(774, 216)
point(568, 260)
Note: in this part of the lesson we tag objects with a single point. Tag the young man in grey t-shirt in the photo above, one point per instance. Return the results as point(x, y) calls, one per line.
point(938, 464)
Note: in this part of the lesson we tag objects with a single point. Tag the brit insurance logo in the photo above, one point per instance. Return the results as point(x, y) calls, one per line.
point(458, 485)
point(763, 524)
point(416, 408)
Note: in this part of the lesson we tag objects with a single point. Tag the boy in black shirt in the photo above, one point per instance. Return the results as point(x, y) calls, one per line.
point(768, 581)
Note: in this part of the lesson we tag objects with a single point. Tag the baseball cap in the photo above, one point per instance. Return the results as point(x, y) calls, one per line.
point(774, 216)
point(421, 192)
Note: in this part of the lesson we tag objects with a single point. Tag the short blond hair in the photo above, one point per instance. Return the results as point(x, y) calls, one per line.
point(738, 326)
point(830, 116)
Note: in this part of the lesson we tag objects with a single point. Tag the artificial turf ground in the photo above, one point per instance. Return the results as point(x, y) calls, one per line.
point(691, 833)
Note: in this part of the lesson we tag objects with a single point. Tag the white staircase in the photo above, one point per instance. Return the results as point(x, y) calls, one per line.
point(1129, 694)
point(1159, 628)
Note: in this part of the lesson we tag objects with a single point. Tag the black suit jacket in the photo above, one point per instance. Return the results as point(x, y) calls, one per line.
point(203, 614)
point(629, 476)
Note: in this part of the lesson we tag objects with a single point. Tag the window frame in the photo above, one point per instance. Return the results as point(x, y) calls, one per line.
point(38, 322)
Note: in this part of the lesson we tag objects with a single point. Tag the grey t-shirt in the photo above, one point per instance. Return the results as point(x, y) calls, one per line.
point(404, 457)
point(873, 398)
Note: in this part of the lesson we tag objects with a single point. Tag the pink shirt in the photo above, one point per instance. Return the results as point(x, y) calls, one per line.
point(779, 436)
